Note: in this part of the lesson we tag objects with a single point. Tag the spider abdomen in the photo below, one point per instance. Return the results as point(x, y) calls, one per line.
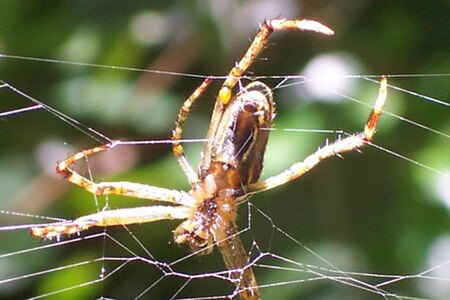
point(240, 137)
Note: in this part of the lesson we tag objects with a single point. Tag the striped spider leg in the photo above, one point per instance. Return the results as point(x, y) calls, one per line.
point(229, 170)
point(347, 144)
point(181, 203)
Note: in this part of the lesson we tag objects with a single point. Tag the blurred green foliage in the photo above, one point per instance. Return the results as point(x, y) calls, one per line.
point(371, 212)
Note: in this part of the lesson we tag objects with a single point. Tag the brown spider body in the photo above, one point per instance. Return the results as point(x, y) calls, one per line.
point(234, 160)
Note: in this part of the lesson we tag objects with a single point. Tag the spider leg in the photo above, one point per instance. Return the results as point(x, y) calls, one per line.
point(177, 148)
point(124, 188)
point(123, 216)
point(260, 40)
point(350, 143)
point(236, 260)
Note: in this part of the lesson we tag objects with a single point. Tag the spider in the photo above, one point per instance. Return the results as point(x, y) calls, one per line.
point(231, 163)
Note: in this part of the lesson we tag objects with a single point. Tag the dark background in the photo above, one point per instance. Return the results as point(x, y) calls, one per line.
point(371, 212)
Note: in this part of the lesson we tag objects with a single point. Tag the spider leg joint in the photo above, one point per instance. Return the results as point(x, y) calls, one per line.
point(113, 144)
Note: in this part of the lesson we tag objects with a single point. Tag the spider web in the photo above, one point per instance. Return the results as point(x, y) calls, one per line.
point(286, 263)
point(342, 231)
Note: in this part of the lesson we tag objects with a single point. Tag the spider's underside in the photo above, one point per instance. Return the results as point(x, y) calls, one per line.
point(229, 170)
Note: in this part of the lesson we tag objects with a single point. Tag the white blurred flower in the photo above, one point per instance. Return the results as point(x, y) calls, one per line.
point(328, 73)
